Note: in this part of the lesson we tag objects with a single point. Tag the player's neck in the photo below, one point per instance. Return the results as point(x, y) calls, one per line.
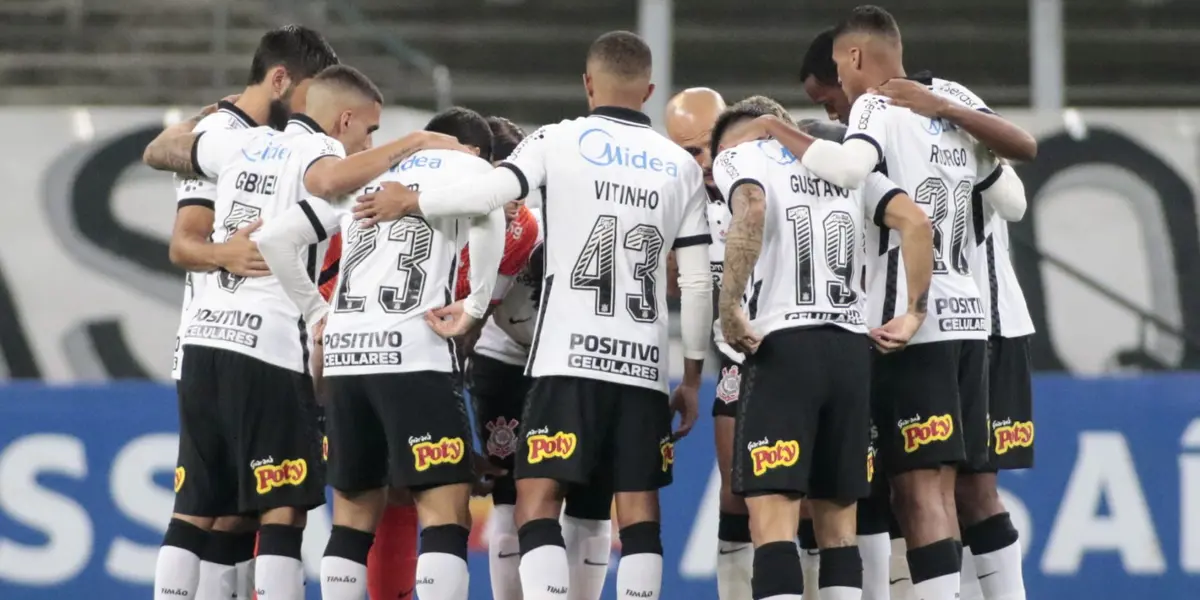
point(891, 66)
point(629, 101)
point(256, 103)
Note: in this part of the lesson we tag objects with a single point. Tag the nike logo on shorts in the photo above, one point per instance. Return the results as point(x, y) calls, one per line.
point(738, 549)
point(509, 555)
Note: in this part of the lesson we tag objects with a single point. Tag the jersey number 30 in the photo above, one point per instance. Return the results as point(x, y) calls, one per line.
point(934, 193)
point(595, 269)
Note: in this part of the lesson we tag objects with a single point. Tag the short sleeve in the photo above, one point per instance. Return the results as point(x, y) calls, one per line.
point(215, 148)
point(736, 166)
point(528, 160)
point(869, 122)
point(957, 92)
point(693, 228)
point(316, 147)
point(877, 192)
point(195, 191)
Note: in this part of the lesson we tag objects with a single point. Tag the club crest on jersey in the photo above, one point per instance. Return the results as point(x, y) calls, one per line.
point(502, 437)
point(776, 152)
point(919, 433)
point(180, 477)
point(270, 476)
point(666, 447)
point(446, 451)
point(731, 382)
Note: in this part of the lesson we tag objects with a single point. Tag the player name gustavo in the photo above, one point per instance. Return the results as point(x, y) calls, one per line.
point(959, 314)
point(613, 355)
point(364, 349)
point(232, 326)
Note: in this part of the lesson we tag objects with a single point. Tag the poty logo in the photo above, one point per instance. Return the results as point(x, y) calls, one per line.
point(180, 477)
point(325, 448)
point(290, 472)
point(667, 449)
point(870, 465)
point(1016, 435)
point(935, 429)
point(445, 451)
point(598, 147)
point(782, 454)
point(542, 447)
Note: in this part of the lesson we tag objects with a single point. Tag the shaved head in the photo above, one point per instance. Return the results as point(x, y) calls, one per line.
point(690, 117)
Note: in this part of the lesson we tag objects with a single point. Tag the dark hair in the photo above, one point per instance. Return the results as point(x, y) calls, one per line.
point(869, 19)
point(349, 78)
point(818, 60)
point(300, 50)
point(468, 126)
point(622, 53)
point(823, 129)
point(749, 108)
point(505, 137)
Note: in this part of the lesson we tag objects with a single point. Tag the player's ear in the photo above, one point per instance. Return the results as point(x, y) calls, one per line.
point(344, 120)
point(587, 85)
point(649, 92)
point(280, 81)
point(856, 59)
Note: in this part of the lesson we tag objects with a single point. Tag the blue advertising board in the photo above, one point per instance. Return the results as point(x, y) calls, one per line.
point(1111, 511)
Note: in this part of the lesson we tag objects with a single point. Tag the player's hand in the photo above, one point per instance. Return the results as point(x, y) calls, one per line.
point(318, 331)
point(894, 334)
point(450, 321)
point(739, 334)
point(758, 129)
point(485, 475)
point(239, 255)
point(914, 96)
point(391, 202)
point(685, 402)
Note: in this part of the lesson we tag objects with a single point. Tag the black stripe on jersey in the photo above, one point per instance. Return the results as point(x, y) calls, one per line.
point(739, 183)
point(977, 216)
point(237, 113)
point(547, 283)
point(306, 122)
point(521, 178)
point(881, 208)
point(313, 220)
point(993, 285)
point(195, 158)
point(449, 298)
point(990, 179)
point(692, 240)
point(314, 161)
point(869, 140)
point(329, 273)
point(889, 290)
point(985, 110)
point(881, 168)
point(312, 275)
point(205, 202)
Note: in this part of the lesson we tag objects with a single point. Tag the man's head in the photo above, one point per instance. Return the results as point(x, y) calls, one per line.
point(466, 125)
point(618, 70)
point(867, 50)
point(286, 59)
point(690, 117)
point(733, 121)
point(506, 135)
point(346, 104)
point(819, 75)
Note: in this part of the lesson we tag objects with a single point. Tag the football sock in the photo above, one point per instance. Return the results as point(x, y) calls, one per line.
point(810, 557)
point(278, 570)
point(875, 550)
point(442, 564)
point(177, 571)
point(997, 558)
point(392, 562)
point(735, 557)
point(935, 570)
point(841, 575)
point(504, 554)
point(545, 572)
point(344, 565)
point(589, 545)
point(776, 576)
point(639, 574)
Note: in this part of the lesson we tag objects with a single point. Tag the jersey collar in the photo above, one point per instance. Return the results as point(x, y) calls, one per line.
point(237, 112)
point(303, 120)
point(620, 113)
point(922, 77)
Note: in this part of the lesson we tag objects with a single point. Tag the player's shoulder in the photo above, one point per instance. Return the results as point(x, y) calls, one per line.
point(958, 92)
point(222, 119)
point(752, 152)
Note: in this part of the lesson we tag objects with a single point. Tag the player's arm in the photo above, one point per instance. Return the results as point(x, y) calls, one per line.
point(890, 207)
point(485, 246)
point(739, 174)
point(338, 175)
point(181, 151)
point(1003, 192)
point(695, 279)
point(846, 164)
point(282, 243)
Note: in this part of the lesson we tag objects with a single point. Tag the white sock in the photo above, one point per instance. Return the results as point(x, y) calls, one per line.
point(945, 587)
point(545, 573)
point(875, 550)
point(1007, 581)
point(735, 567)
point(899, 579)
point(640, 576)
point(810, 565)
point(278, 578)
point(589, 547)
point(840, 593)
point(176, 574)
point(343, 579)
point(441, 576)
point(245, 580)
point(784, 597)
point(504, 554)
point(217, 581)
point(969, 583)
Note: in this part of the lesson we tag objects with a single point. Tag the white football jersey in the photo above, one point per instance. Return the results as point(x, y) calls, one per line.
point(391, 274)
point(720, 217)
point(808, 271)
point(939, 166)
point(198, 191)
point(991, 263)
point(619, 196)
point(260, 174)
point(508, 334)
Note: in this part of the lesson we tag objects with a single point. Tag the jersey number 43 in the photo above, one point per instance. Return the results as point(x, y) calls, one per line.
point(595, 268)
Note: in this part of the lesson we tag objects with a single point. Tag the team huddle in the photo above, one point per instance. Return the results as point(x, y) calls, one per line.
point(341, 294)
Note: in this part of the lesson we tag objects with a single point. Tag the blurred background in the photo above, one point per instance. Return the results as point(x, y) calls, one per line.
point(1108, 254)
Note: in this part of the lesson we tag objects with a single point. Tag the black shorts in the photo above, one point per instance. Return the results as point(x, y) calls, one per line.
point(248, 439)
point(803, 422)
point(728, 387)
point(929, 403)
point(498, 392)
point(1010, 403)
point(587, 431)
point(407, 430)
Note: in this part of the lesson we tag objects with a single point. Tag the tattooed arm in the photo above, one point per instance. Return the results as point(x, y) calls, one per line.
point(172, 149)
point(332, 179)
point(743, 244)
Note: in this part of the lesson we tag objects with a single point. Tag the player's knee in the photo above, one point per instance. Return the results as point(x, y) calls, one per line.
point(641, 538)
point(591, 507)
point(399, 497)
point(445, 505)
point(977, 498)
point(776, 572)
point(773, 518)
point(289, 516)
point(539, 533)
point(636, 507)
point(235, 524)
point(990, 534)
point(445, 539)
point(358, 510)
point(731, 502)
point(733, 527)
point(834, 523)
point(203, 523)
